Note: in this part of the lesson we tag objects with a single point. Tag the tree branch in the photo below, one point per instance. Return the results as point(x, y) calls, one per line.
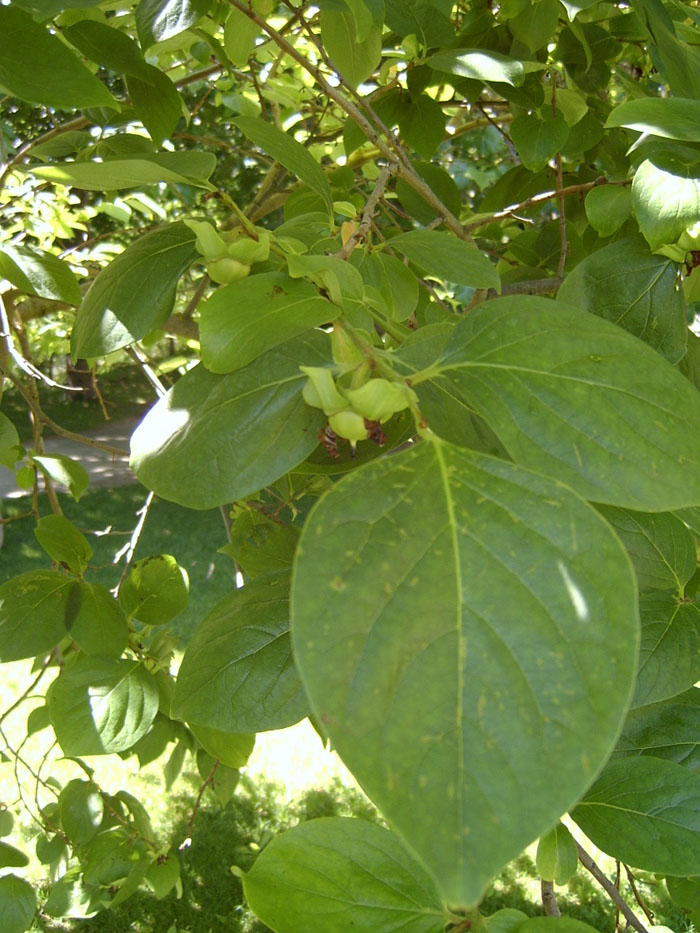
point(610, 889)
point(549, 900)
point(367, 216)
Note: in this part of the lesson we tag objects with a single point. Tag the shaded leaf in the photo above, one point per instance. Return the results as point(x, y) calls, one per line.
point(443, 255)
point(668, 729)
point(669, 656)
point(355, 60)
point(184, 168)
point(32, 613)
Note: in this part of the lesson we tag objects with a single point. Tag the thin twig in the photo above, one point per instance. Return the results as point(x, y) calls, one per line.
point(549, 899)
point(508, 141)
point(637, 896)
point(130, 548)
point(147, 370)
point(365, 224)
point(190, 826)
point(611, 890)
point(617, 885)
point(563, 241)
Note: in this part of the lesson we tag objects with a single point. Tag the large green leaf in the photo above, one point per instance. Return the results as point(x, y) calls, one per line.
point(17, 904)
point(483, 65)
point(107, 46)
point(214, 439)
point(354, 60)
point(135, 293)
point(627, 284)
point(446, 257)
point(243, 320)
point(39, 273)
point(668, 729)
point(97, 623)
point(645, 812)
point(662, 548)
point(182, 168)
point(458, 637)
point(157, 102)
point(669, 655)
point(573, 396)
point(665, 202)
point(289, 153)
point(230, 748)
point(157, 20)
point(36, 66)
point(237, 674)
point(334, 874)
point(102, 705)
point(33, 610)
point(155, 591)
point(81, 808)
point(671, 117)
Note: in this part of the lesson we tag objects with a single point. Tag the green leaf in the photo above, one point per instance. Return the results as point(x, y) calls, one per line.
point(645, 812)
point(63, 470)
point(238, 674)
point(99, 625)
point(395, 283)
point(36, 66)
point(483, 65)
point(607, 208)
point(39, 273)
point(670, 117)
point(10, 857)
point(506, 920)
point(555, 925)
point(571, 395)
point(10, 451)
point(138, 813)
point(662, 548)
point(421, 18)
point(63, 542)
point(182, 168)
point(340, 279)
point(243, 320)
point(32, 613)
point(334, 873)
point(557, 856)
point(443, 255)
point(630, 286)
point(685, 892)
point(422, 125)
point(669, 656)
point(163, 876)
point(157, 103)
point(240, 33)
point(135, 293)
point(665, 202)
point(155, 591)
point(355, 61)
point(17, 904)
point(81, 808)
point(107, 46)
point(260, 545)
point(440, 183)
point(110, 857)
point(537, 140)
point(231, 749)
point(669, 729)
point(157, 20)
point(102, 705)
point(414, 616)
point(7, 822)
point(70, 897)
point(289, 153)
point(182, 448)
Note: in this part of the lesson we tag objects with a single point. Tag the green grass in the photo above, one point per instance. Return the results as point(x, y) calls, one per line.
point(107, 517)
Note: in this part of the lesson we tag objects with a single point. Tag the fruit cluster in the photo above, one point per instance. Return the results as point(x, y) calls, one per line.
point(229, 256)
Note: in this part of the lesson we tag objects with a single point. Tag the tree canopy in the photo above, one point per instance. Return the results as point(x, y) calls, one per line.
point(429, 268)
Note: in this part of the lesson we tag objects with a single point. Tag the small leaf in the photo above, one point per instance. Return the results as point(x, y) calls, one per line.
point(607, 208)
point(63, 470)
point(158, 20)
point(163, 876)
point(63, 542)
point(289, 153)
point(627, 284)
point(537, 140)
point(37, 67)
point(557, 856)
point(182, 448)
point(260, 545)
point(665, 202)
point(17, 904)
point(443, 255)
point(10, 857)
point(238, 674)
point(9, 443)
point(135, 293)
point(423, 124)
point(368, 881)
point(231, 749)
point(98, 625)
point(102, 705)
point(645, 812)
point(243, 320)
point(32, 613)
point(39, 273)
point(353, 59)
point(155, 591)
point(414, 613)
point(81, 808)
point(669, 117)
point(240, 33)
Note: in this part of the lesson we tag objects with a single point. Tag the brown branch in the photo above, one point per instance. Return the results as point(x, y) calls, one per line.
point(207, 781)
point(549, 899)
point(541, 198)
point(563, 241)
point(637, 896)
point(367, 216)
point(610, 889)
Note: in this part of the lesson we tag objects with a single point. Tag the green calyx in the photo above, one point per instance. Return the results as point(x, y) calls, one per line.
point(379, 399)
point(320, 390)
point(245, 249)
point(209, 243)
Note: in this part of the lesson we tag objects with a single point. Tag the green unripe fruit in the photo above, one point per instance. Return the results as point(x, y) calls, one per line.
point(350, 425)
point(246, 249)
point(379, 399)
point(226, 270)
point(320, 390)
point(690, 238)
point(344, 351)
